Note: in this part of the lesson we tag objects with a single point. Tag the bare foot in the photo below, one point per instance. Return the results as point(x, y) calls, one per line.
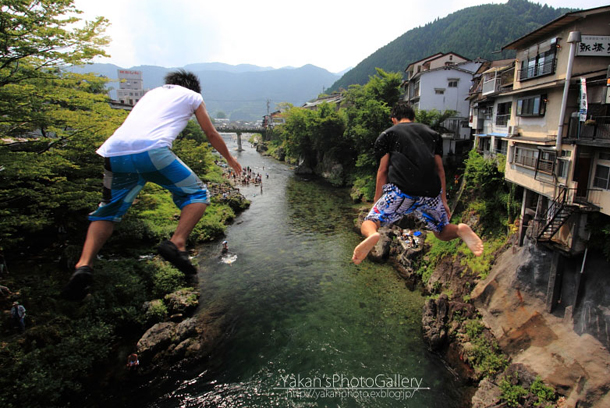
point(471, 239)
point(363, 249)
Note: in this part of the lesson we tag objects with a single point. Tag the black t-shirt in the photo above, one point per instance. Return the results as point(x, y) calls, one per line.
point(412, 147)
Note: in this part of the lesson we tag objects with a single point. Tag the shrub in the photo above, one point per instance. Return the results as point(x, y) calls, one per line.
point(485, 357)
point(156, 311)
point(166, 279)
point(512, 395)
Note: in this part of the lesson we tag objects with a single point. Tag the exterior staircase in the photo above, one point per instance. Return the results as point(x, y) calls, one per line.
point(556, 215)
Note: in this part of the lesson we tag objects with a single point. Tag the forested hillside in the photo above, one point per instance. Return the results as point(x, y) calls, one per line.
point(478, 31)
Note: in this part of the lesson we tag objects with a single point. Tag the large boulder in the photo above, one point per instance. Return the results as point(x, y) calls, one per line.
point(156, 338)
point(434, 321)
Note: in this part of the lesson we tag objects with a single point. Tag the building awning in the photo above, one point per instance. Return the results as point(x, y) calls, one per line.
point(494, 134)
point(548, 85)
point(544, 141)
point(496, 69)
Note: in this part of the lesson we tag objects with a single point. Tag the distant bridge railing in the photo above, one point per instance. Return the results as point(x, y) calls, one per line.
point(235, 129)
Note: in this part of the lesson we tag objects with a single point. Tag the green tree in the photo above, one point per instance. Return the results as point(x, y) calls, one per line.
point(368, 114)
point(433, 117)
point(51, 121)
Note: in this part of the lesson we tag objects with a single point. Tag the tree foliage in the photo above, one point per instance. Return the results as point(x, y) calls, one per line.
point(344, 136)
point(50, 121)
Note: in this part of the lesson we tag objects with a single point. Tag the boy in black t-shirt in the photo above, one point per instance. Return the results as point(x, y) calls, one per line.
point(411, 178)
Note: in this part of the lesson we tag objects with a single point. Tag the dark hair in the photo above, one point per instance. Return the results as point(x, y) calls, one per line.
point(403, 110)
point(183, 78)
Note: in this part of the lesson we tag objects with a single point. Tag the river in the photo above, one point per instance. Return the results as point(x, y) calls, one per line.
point(308, 328)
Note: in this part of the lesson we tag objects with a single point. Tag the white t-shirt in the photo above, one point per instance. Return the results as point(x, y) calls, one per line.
point(155, 121)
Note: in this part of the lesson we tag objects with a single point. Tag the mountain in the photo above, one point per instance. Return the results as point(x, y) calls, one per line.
point(240, 91)
point(479, 31)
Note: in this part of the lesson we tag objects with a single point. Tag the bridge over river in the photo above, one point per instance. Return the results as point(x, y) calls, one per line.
point(239, 130)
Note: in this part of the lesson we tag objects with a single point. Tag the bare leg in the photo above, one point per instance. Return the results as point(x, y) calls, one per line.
point(463, 231)
point(369, 230)
point(189, 217)
point(97, 235)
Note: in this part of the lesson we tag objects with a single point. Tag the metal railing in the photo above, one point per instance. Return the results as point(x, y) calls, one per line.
point(536, 70)
point(502, 120)
point(597, 127)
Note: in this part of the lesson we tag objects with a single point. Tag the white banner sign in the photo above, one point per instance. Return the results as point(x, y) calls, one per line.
point(594, 46)
point(583, 100)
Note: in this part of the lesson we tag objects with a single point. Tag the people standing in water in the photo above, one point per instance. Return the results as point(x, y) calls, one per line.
point(411, 179)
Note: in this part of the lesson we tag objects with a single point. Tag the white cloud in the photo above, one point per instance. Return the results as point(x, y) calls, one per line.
point(332, 34)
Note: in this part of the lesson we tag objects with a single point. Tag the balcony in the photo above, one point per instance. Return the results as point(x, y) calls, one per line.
point(498, 80)
point(491, 86)
point(545, 67)
point(595, 128)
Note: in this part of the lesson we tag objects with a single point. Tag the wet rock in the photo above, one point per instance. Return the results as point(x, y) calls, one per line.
point(185, 329)
point(331, 170)
point(156, 338)
point(434, 320)
point(381, 250)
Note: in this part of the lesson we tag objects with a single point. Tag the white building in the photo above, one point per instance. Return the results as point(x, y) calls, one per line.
point(130, 87)
point(441, 82)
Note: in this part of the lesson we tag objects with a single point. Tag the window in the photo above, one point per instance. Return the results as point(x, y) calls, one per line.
point(525, 157)
point(546, 161)
point(604, 156)
point(540, 60)
point(439, 91)
point(488, 113)
point(501, 146)
point(453, 83)
point(503, 114)
point(602, 177)
point(563, 164)
point(532, 106)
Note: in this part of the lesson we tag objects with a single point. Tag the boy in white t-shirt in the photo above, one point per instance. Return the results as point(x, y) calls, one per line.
point(139, 152)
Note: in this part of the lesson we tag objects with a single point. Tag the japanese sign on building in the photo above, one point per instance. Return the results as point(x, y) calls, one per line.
point(594, 46)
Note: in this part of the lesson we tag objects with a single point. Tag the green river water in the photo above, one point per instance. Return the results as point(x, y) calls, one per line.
point(308, 328)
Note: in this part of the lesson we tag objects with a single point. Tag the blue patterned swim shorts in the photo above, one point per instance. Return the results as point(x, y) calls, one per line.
point(125, 176)
point(394, 205)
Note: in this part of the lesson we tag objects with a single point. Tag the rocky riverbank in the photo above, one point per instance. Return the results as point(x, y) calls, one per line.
point(500, 339)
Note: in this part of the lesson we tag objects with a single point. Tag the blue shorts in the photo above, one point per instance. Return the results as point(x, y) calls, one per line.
point(394, 205)
point(125, 176)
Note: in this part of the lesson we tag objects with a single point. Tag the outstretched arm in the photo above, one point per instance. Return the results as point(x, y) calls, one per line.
point(440, 171)
point(214, 137)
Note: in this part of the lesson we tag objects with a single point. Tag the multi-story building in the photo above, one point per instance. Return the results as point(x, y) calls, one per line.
point(489, 111)
point(548, 111)
point(130, 87)
point(559, 144)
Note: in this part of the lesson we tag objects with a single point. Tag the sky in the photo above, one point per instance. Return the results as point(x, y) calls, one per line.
point(331, 34)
